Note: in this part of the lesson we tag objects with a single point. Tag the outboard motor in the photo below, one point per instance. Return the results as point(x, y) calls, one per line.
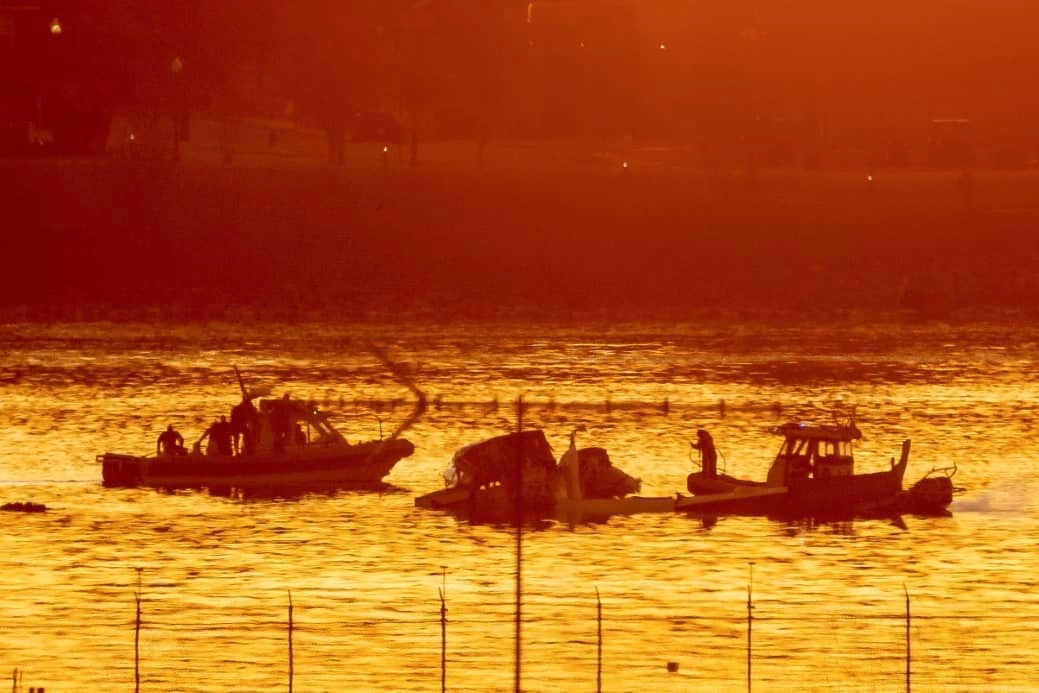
point(932, 493)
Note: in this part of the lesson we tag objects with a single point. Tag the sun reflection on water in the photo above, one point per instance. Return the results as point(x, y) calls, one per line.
point(364, 568)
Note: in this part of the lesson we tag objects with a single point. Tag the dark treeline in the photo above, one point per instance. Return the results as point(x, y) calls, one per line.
point(767, 77)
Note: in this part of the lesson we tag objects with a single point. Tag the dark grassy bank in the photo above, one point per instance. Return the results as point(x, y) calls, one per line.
point(88, 239)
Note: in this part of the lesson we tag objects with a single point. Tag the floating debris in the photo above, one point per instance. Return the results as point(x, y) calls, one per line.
point(24, 507)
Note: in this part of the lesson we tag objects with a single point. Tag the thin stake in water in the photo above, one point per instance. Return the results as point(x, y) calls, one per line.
point(750, 618)
point(519, 536)
point(598, 614)
point(291, 666)
point(908, 644)
point(137, 636)
point(443, 642)
point(443, 630)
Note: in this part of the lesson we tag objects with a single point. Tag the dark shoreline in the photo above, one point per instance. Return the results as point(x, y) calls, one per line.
point(115, 240)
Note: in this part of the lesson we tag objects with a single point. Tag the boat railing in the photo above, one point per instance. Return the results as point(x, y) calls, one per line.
point(113, 456)
point(698, 463)
point(949, 471)
point(844, 417)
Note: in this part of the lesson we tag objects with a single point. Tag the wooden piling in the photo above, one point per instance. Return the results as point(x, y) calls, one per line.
point(598, 616)
point(137, 636)
point(291, 662)
point(908, 642)
point(518, 509)
point(750, 618)
point(443, 642)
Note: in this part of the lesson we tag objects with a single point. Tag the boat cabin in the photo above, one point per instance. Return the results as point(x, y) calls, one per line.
point(811, 451)
point(290, 423)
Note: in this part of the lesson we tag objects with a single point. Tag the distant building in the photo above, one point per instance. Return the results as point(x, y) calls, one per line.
point(47, 103)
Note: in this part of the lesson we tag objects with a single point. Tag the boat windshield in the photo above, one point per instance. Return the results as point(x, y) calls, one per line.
point(835, 448)
point(794, 446)
point(811, 456)
point(816, 447)
point(320, 431)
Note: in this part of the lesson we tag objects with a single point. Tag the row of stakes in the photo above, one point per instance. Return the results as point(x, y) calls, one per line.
point(608, 405)
point(16, 683)
point(672, 666)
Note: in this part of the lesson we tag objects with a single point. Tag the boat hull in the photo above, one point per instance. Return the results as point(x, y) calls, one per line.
point(361, 464)
point(737, 501)
point(825, 497)
point(699, 484)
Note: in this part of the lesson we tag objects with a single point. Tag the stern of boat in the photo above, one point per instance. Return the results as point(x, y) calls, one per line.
point(699, 484)
point(121, 470)
point(933, 493)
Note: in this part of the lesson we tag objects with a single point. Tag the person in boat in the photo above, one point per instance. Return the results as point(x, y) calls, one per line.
point(196, 449)
point(170, 442)
point(224, 437)
point(244, 423)
point(221, 437)
point(281, 422)
point(708, 454)
point(300, 435)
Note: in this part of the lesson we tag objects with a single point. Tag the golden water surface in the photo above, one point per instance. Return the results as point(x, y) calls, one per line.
point(364, 568)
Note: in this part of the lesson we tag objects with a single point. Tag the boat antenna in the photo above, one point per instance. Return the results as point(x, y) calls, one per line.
point(402, 376)
point(241, 385)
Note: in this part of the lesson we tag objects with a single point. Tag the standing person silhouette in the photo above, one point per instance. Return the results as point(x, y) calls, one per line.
point(281, 422)
point(708, 454)
point(221, 437)
point(244, 420)
point(170, 442)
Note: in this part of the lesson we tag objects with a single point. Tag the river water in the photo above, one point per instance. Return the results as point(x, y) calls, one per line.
point(214, 572)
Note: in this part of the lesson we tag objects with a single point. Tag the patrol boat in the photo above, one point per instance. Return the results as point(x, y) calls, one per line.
point(813, 474)
point(286, 443)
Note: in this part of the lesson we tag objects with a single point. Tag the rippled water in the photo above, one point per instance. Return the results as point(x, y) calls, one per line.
point(364, 568)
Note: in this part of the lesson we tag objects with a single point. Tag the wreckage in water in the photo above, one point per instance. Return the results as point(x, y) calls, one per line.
point(483, 477)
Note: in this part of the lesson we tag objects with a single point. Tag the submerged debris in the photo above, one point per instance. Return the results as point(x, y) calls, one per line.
point(491, 468)
point(24, 507)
